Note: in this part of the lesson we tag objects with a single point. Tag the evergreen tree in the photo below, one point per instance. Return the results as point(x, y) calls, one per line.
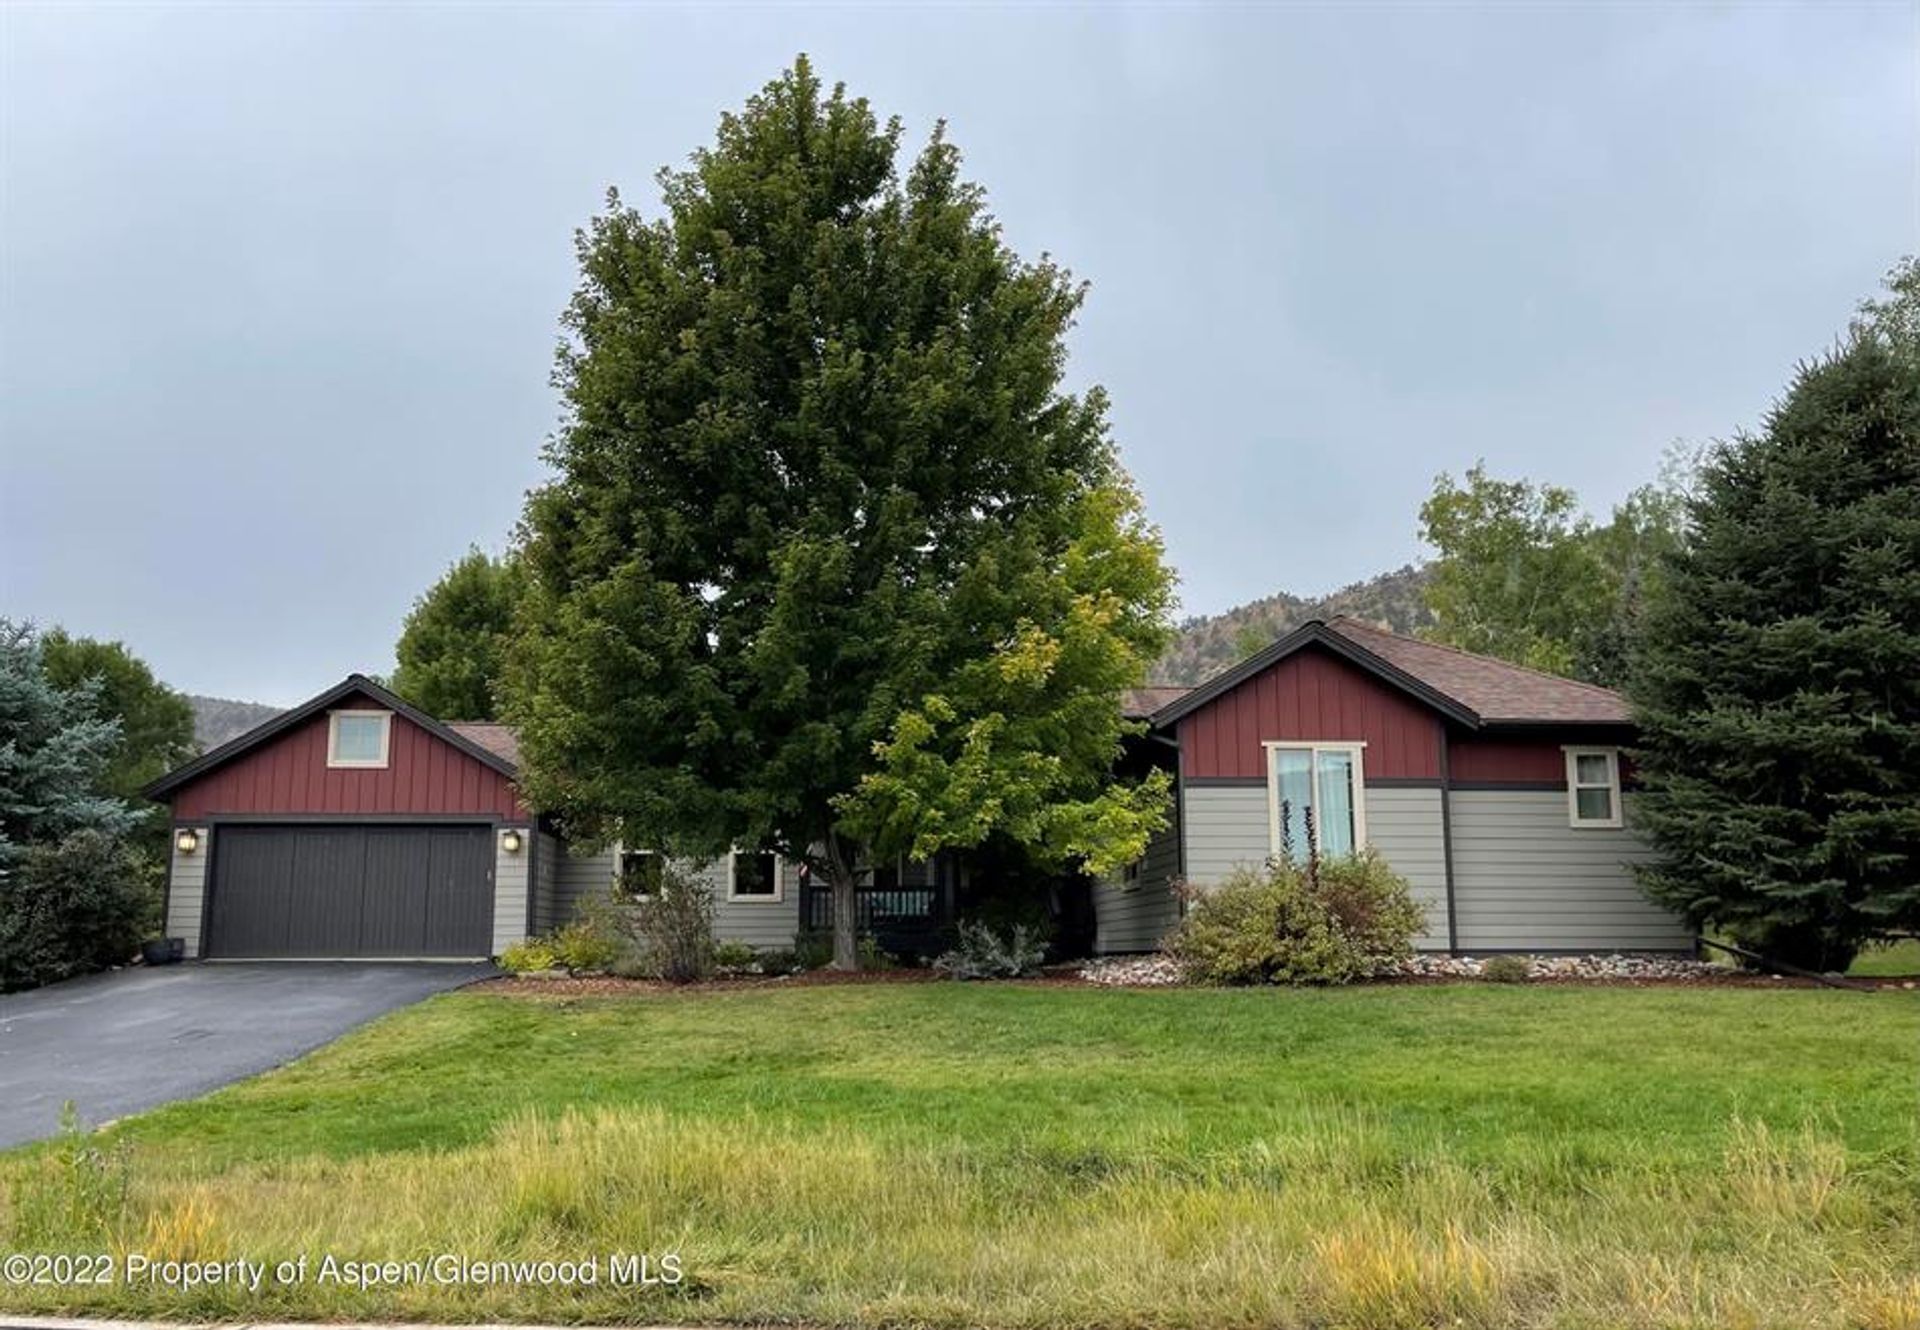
point(452, 645)
point(1777, 679)
point(71, 896)
point(55, 751)
point(832, 565)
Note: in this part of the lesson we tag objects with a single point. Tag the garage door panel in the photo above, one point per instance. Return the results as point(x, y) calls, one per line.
point(396, 894)
point(252, 921)
point(458, 916)
point(351, 891)
point(323, 898)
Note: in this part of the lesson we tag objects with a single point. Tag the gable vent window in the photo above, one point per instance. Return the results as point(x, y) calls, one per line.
point(1593, 787)
point(358, 738)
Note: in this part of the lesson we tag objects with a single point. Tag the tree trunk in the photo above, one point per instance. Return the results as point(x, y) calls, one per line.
point(846, 907)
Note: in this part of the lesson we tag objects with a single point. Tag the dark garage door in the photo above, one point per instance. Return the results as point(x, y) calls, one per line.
point(351, 891)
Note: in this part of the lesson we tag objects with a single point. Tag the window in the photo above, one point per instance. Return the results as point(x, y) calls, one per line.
point(1593, 787)
point(1324, 782)
point(641, 872)
point(753, 875)
point(358, 738)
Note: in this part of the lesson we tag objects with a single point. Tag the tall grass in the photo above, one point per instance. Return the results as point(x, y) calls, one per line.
point(1331, 1222)
point(1042, 1159)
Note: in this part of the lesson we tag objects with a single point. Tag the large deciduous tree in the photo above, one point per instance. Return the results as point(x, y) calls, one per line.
point(452, 645)
point(156, 723)
point(832, 563)
point(1777, 684)
point(1524, 574)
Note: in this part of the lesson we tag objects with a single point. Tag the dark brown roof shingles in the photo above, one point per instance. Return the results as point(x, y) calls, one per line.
point(1499, 693)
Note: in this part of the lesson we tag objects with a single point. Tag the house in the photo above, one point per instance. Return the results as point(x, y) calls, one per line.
point(356, 825)
point(1496, 791)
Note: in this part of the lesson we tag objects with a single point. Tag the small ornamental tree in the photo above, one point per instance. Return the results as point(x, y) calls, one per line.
point(831, 565)
point(454, 638)
point(1777, 679)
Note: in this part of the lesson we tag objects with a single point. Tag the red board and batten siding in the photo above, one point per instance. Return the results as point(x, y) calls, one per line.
point(424, 775)
point(1311, 695)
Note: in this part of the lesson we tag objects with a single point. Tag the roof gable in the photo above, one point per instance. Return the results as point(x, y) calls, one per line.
point(1472, 690)
point(354, 685)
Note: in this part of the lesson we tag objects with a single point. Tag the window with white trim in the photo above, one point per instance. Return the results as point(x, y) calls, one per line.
point(640, 873)
point(358, 738)
point(1321, 783)
point(753, 875)
point(1593, 787)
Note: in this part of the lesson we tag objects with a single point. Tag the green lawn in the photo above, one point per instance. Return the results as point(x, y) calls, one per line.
point(1893, 958)
point(935, 1154)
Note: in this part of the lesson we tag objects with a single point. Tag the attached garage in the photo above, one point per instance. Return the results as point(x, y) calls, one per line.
point(351, 891)
point(353, 827)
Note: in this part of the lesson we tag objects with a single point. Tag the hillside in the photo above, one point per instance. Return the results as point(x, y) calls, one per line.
point(1209, 643)
point(216, 720)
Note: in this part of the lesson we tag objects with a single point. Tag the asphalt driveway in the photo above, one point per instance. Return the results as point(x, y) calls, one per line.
point(118, 1043)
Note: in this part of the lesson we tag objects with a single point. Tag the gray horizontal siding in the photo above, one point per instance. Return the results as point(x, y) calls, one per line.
point(187, 890)
point(759, 923)
point(1404, 825)
point(1225, 828)
point(1137, 916)
point(512, 880)
point(1526, 880)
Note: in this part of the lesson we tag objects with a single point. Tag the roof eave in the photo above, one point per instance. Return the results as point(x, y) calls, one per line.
point(1314, 632)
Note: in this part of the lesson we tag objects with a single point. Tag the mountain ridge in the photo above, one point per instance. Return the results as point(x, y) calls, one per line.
point(1206, 644)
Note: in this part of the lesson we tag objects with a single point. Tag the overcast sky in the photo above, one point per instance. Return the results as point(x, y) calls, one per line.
point(279, 285)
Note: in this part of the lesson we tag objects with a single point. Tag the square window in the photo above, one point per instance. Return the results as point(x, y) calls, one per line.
point(358, 738)
point(641, 873)
point(754, 875)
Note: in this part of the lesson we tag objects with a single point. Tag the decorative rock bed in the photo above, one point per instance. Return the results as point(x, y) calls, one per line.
point(1618, 965)
point(1159, 971)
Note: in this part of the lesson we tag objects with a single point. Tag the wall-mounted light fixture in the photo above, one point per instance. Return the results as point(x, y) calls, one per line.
point(510, 841)
point(186, 840)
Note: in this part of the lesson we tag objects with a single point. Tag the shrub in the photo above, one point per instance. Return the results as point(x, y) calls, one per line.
point(528, 956)
point(1506, 970)
point(1329, 922)
point(982, 952)
point(736, 956)
point(780, 960)
point(673, 928)
point(812, 949)
point(71, 906)
point(585, 944)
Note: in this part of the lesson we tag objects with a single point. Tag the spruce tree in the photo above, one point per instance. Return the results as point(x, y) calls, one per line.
point(1777, 677)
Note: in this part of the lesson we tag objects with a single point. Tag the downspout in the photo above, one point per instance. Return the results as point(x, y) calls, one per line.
point(1446, 837)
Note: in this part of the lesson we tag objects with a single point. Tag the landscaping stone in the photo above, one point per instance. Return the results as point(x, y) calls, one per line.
point(1621, 966)
point(1155, 971)
point(1159, 971)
